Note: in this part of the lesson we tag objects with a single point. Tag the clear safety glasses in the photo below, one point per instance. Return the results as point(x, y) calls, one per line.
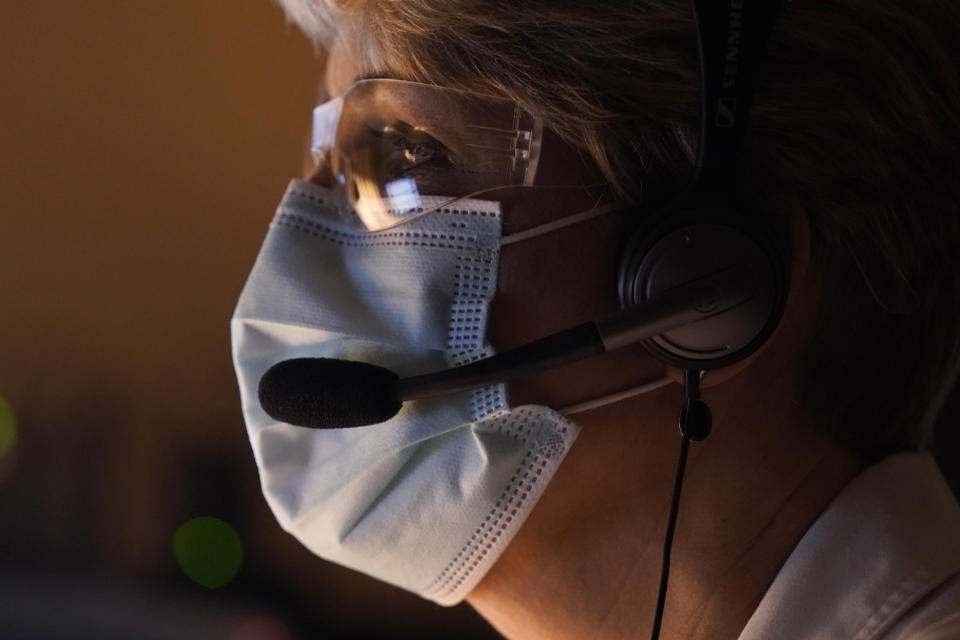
point(402, 149)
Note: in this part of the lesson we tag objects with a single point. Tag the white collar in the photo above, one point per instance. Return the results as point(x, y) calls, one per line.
point(889, 538)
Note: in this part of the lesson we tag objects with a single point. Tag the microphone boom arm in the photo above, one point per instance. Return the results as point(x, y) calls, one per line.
point(681, 305)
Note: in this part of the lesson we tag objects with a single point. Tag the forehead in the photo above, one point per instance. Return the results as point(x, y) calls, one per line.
point(341, 70)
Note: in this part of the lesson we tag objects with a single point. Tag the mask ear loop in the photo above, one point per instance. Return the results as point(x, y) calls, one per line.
point(603, 401)
point(566, 221)
point(694, 422)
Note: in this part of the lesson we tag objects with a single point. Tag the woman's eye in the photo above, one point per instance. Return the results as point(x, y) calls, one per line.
point(412, 151)
point(406, 150)
point(416, 153)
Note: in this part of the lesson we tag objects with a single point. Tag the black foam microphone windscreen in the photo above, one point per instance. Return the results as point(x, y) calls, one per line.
point(323, 393)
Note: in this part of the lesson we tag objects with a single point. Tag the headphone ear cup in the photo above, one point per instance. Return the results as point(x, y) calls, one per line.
point(688, 245)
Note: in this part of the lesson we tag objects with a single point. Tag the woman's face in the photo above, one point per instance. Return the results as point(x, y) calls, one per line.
point(609, 493)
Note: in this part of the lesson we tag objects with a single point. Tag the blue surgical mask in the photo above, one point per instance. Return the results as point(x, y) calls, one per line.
point(428, 500)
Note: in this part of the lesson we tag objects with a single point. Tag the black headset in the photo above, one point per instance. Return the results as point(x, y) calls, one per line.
point(704, 231)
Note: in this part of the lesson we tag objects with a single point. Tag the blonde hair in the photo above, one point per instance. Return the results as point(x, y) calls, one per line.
point(855, 118)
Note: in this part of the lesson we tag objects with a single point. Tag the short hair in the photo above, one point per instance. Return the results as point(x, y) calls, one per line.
point(855, 119)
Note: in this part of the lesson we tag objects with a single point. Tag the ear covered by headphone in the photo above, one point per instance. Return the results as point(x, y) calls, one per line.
point(705, 232)
point(687, 244)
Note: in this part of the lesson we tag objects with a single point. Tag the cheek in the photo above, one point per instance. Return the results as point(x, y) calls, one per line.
point(554, 282)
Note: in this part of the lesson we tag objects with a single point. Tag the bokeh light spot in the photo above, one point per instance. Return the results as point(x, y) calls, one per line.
point(8, 427)
point(208, 550)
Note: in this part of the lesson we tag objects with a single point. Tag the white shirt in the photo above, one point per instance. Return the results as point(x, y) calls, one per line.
point(882, 562)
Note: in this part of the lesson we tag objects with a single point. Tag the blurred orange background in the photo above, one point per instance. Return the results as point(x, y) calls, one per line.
point(144, 148)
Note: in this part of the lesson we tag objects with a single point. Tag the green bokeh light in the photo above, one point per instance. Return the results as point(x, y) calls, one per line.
point(8, 427)
point(208, 550)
